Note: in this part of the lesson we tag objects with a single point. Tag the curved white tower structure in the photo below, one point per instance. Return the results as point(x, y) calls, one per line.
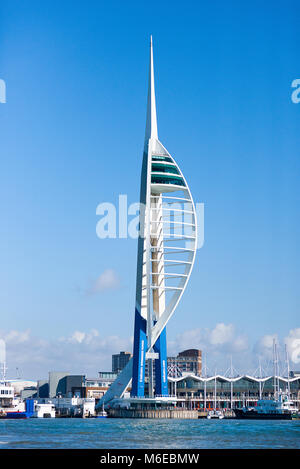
point(166, 254)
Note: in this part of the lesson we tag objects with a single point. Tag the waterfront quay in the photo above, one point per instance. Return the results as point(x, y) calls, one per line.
point(76, 395)
point(179, 413)
point(159, 407)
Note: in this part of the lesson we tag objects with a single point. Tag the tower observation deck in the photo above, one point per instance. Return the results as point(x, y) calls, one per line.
point(166, 253)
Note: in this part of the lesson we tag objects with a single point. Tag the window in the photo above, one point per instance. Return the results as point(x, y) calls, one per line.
point(164, 168)
point(166, 179)
point(162, 158)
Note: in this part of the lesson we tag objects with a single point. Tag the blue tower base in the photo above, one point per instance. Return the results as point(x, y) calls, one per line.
point(139, 360)
point(161, 365)
point(139, 356)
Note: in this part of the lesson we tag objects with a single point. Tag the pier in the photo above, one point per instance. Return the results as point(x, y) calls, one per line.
point(153, 413)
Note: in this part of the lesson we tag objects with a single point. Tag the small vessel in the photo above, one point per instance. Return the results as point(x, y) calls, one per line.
point(268, 409)
point(279, 408)
point(215, 414)
point(46, 410)
point(102, 414)
point(12, 407)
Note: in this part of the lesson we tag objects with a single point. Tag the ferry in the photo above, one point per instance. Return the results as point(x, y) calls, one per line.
point(269, 409)
point(12, 407)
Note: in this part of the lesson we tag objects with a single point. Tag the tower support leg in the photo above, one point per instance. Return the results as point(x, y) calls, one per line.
point(139, 356)
point(161, 369)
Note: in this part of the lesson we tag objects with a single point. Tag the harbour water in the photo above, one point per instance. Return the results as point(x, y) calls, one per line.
point(148, 434)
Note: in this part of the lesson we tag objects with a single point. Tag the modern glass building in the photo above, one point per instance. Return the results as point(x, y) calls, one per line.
point(119, 361)
point(199, 392)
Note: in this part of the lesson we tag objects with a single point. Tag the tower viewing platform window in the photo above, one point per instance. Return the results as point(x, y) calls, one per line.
point(166, 159)
point(164, 168)
point(167, 179)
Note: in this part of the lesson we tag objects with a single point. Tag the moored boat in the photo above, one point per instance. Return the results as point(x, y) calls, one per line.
point(102, 414)
point(12, 407)
point(268, 409)
point(215, 414)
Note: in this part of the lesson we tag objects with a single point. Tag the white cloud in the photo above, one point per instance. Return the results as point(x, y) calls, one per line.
point(222, 334)
point(240, 343)
point(222, 337)
point(17, 336)
point(293, 345)
point(87, 352)
point(194, 338)
point(80, 353)
point(77, 337)
point(219, 344)
point(264, 346)
point(2, 351)
point(108, 280)
point(80, 337)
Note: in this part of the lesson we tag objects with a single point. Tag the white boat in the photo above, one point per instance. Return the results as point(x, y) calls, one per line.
point(12, 407)
point(44, 410)
point(102, 414)
point(215, 414)
point(281, 408)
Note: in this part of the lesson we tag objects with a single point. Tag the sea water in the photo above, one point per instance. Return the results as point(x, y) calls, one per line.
point(160, 434)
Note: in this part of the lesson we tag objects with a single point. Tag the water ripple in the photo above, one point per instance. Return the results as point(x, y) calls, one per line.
point(161, 434)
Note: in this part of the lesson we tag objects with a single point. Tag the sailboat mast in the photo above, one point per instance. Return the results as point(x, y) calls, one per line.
point(205, 376)
point(288, 370)
point(260, 376)
point(274, 367)
point(3, 361)
point(231, 383)
point(277, 362)
point(215, 400)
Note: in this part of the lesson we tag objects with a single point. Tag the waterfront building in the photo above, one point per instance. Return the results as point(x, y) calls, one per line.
point(56, 382)
point(70, 406)
point(29, 392)
point(166, 253)
point(61, 383)
point(73, 386)
point(97, 387)
point(107, 376)
point(43, 388)
point(20, 384)
point(188, 361)
point(229, 393)
point(75, 406)
point(119, 361)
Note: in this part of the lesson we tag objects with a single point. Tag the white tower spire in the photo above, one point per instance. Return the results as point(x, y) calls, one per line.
point(151, 122)
point(166, 253)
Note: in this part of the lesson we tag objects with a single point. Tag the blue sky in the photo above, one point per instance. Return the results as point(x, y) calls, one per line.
point(72, 137)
